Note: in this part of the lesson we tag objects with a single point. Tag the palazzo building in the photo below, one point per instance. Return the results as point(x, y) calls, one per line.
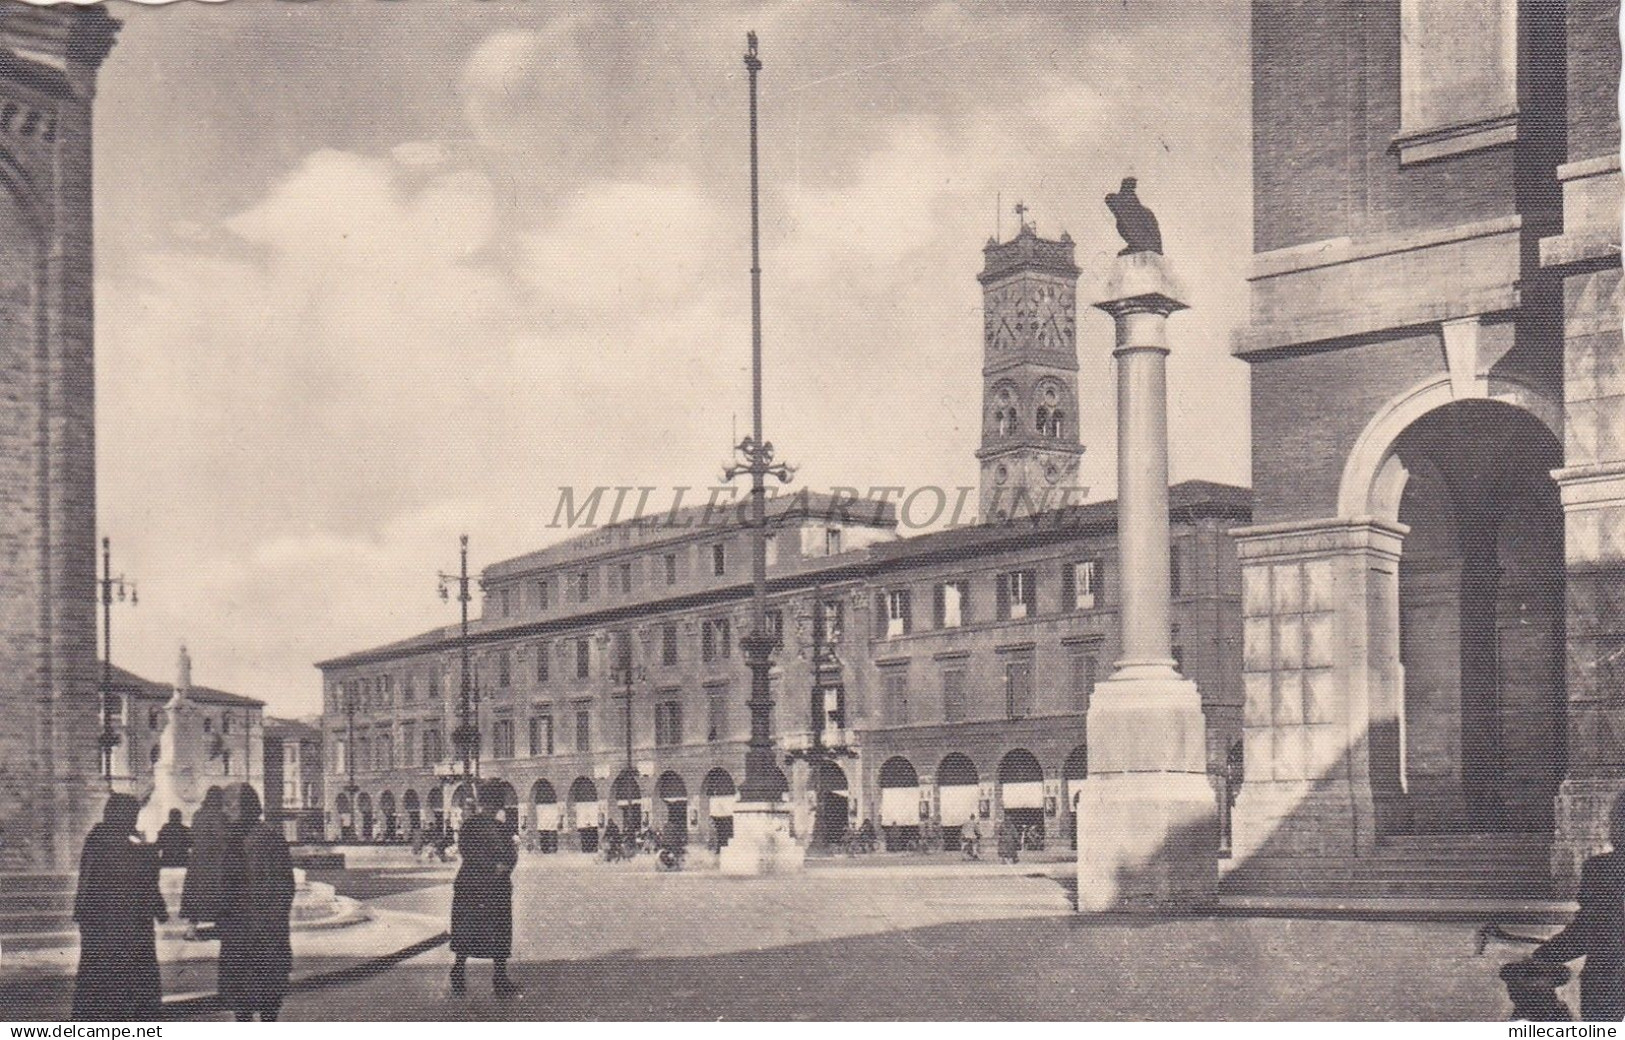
point(1434, 588)
point(947, 674)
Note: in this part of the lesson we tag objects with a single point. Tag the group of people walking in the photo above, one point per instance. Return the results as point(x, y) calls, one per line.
point(239, 879)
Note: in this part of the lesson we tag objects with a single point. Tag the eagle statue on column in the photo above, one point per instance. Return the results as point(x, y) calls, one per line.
point(1136, 223)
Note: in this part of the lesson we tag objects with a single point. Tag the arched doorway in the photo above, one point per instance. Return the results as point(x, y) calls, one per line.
point(1021, 791)
point(341, 807)
point(673, 794)
point(363, 804)
point(831, 802)
point(627, 794)
point(720, 798)
point(1074, 771)
point(386, 809)
point(585, 811)
point(413, 811)
point(899, 804)
point(545, 815)
point(959, 796)
point(1481, 742)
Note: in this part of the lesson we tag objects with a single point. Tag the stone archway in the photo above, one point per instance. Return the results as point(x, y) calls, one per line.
point(1480, 624)
point(959, 796)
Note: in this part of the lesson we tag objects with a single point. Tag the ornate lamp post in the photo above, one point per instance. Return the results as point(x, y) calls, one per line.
point(350, 788)
point(465, 739)
point(762, 843)
point(625, 674)
point(108, 739)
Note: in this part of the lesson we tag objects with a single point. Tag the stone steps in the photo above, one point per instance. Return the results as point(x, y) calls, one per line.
point(1443, 867)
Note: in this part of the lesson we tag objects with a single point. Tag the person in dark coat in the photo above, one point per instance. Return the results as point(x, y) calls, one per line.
point(612, 840)
point(256, 901)
point(1597, 932)
point(200, 898)
point(174, 841)
point(117, 902)
point(482, 898)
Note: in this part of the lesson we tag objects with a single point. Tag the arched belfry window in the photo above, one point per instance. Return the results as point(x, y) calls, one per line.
point(1004, 411)
point(1048, 418)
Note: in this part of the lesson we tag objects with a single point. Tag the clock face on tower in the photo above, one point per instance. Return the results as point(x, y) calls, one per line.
point(1032, 313)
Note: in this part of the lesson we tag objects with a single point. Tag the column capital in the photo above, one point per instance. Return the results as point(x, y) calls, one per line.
point(1141, 283)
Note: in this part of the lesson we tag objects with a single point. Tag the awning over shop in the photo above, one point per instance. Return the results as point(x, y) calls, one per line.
point(899, 806)
point(958, 803)
point(1027, 795)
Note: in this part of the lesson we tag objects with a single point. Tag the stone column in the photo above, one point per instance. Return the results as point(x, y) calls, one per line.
point(1147, 817)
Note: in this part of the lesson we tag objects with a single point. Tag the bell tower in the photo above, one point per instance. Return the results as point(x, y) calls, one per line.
point(1030, 447)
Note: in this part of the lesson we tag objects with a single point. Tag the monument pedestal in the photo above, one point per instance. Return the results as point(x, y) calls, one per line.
point(762, 842)
point(1147, 816)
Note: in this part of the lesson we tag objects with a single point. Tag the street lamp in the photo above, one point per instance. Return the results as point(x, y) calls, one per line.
point(125, 587)
point(465, 739)
point(350, 788)
point(762, 783)
point(625, 674)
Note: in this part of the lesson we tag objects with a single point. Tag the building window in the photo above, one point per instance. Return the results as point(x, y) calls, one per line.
point(1085, 671)
point(1018, 687)
point(504, 670)
point(1018, 595)
point(668, 645)
point(409, 691)
point(1081, 585)
point(716, 641)
point(152, 756)
point(583, 584)
point(953, 695)
point(719, 559)
point(716, 713)
point(583, 659)
point(543, 661)
point(434, 684)
point(1458, 66)
point(834, 618)
point(950, 602)
point(626, 579)
point(502, 738)
point(668, 723)
point(541, 735)
point(894, 683)
point(1176, 569)
point(583, 728)
point(894, 613)
point(540, 592)
point(832, 541)
point(208, 724)
point(505, 599)
point(671, 568)
point(225, 762)
point(432, 751)
point(225, 723)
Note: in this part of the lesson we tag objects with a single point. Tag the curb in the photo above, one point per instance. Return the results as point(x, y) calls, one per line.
point(187, 1005)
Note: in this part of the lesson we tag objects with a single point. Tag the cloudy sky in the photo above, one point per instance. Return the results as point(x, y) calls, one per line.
point(374, 274)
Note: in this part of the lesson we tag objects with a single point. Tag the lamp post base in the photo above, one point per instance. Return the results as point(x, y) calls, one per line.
point(762, 842)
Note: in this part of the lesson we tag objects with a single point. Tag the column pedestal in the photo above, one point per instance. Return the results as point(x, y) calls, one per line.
point(762, 842)
point(1147, 817)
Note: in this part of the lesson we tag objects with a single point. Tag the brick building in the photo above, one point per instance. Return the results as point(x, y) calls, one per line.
point(610, 683)
point(1433, 609)
point(49, 718)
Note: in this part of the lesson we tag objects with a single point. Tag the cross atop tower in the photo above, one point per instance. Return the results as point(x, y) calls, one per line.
point(1021, 214)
